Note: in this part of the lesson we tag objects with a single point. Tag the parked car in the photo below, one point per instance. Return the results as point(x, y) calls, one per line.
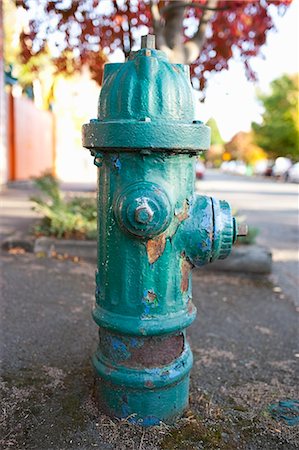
point(200, 169)
point(225, 166)
point(264, 167)
point(293, 173)
point(238, 167)
point(281, 167)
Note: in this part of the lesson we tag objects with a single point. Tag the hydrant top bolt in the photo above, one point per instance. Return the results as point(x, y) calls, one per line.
point(143, 214)
point(148, 41)
point(242, 229)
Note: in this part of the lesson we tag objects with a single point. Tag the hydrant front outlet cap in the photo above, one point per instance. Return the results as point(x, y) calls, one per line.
point(143, 209)
point(152, 230)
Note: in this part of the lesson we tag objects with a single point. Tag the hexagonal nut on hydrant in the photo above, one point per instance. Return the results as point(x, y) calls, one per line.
point(144, 214)
point(242, 229)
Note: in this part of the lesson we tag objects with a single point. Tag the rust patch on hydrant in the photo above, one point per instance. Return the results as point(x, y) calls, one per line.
point(151, 297)
point(184, 214)
point(186, 267)
point(156, 351)
point(155, 248)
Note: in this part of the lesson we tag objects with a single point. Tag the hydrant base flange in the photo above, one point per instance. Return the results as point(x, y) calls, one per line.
point(146, 396)
point(146, 409)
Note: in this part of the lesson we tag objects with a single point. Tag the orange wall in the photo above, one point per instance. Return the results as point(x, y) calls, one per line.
point(32, 151)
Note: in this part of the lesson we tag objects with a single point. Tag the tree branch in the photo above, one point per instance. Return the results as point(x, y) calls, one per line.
point(157, 25)
point(170, 33)
point(183, 4)
point(174, 24)
point(193, 47)
point(129, 29)
point(155, 12)
point(115, 4)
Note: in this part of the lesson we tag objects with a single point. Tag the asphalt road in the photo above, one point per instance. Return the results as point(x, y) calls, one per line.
point(272, 207)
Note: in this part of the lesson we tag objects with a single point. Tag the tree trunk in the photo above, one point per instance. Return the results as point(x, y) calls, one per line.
point(168, 27)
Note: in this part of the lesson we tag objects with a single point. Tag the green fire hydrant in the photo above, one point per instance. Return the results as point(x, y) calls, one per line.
point(152, 230)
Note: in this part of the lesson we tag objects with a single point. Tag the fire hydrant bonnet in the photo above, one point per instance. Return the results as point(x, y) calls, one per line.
point(147, 102)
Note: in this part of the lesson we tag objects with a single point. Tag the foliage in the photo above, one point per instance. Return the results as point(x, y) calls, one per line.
point(242, 147)
point(61, 217)
point(216, 138)
point(207, 33)
point(278, 134)
point(40, 66)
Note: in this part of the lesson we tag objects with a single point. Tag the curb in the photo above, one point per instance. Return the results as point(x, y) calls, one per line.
point(82, 249)
point(18, 240)
point(247, 258)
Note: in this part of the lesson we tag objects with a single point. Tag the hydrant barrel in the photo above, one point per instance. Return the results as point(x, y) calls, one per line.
point(152, 230)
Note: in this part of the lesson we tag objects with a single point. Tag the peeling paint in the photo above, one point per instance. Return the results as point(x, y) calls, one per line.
point(155, 248)
point(184, 213)
point(150, 297)
point(116, 163)
point(190, 306)
point(149, 300)
point(186, 267)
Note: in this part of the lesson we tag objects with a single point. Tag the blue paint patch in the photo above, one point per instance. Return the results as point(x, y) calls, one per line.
point(134, 343)
point(147, 421)
point(125, 412)
point(150, 421)
point(156, 371)
point(149, 301)
point(117, 344)
point(165, 374)
point(286, 410)
point(116, 163)
point(119, 349)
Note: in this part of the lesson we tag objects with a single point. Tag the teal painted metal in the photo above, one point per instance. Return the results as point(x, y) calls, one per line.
point(146, 103)
point(152, 230)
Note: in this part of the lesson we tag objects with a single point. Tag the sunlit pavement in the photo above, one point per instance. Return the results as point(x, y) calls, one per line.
point(272, 207)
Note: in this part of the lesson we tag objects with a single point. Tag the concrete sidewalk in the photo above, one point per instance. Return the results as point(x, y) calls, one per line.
point(16, 209)
point(245, 343)
point(17, 215)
